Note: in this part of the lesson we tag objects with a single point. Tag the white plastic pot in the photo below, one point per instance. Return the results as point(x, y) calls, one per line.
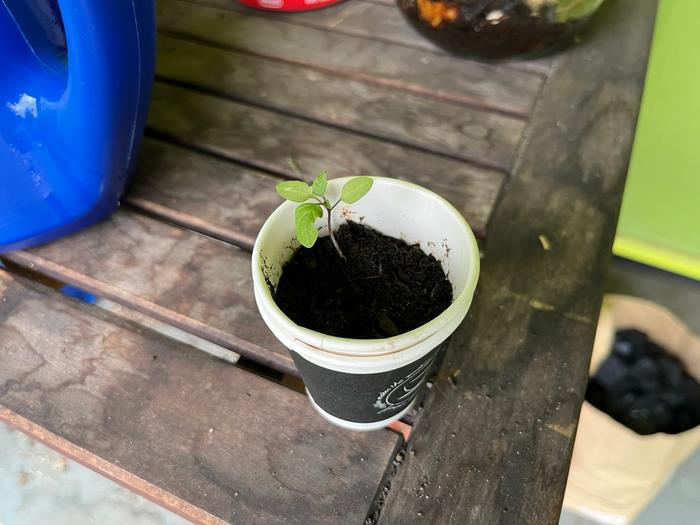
point(364, 384)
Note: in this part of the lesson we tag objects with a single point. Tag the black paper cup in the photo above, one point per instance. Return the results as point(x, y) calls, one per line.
point(365, 401)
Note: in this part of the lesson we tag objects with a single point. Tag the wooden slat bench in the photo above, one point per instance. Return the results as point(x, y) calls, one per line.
point(239, 446)
point(525, 150)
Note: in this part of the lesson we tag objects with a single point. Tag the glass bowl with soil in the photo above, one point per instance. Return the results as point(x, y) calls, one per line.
point(365, 329)
point(498, 29)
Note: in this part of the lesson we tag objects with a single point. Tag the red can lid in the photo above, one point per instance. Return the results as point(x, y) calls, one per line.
point(288, 5)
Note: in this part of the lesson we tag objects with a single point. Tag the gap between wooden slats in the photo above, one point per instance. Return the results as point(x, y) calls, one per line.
point(478, 137)
point(62, 273)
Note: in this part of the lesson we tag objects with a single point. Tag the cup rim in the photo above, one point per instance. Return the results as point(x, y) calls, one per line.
point(344, 345)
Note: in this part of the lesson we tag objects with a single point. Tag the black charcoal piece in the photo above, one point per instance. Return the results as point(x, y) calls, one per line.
point(661, 414)
point(626, 351)
point(650, 386)
point(690, 389)
point(654, 351)
point(639, 418)
point(673, 399)
point(610, 372)
point(644, 387)
point(672, 371)
point(595, 395)
point(637, 338)
point(644, 369)
point(619, 404)
point(682, 421)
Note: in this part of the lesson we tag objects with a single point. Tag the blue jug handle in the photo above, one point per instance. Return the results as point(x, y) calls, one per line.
point(74, 97)
point(113, 43)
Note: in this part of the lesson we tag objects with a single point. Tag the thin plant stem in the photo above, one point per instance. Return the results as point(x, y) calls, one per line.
point(329, 208)
point(332, 235)
point(324, 202)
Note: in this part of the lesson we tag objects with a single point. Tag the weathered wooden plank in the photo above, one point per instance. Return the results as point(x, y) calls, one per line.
point(495, 448)
point(374, 20)
point(44, 270)
point(473, 135)
point(266, 139)
point(242, 448)
point(188, 280)
point(382, 22)
point(472, 83)
point(228, 196)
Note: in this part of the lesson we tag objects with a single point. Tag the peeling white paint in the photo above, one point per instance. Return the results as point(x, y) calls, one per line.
point(25, 104)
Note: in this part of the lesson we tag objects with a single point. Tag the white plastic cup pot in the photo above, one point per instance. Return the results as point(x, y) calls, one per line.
point(364, 384)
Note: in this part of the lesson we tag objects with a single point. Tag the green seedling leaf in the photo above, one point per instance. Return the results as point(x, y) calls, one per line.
point(306, 213)
point(294, 190)
point(320, 184)
point(355, 189)
point(565, 10)
point(568, 10)
point(305, 222)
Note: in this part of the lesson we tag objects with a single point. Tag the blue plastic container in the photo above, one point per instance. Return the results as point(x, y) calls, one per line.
point(75, 83)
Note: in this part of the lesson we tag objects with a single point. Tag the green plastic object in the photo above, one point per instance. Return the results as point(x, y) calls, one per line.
point(660, 217)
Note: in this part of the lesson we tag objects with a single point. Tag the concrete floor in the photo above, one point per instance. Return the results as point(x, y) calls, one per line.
point(40, 486)
point(678, 503)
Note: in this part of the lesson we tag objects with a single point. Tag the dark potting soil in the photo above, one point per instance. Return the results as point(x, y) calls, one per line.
point(463, 27)
point(384, 286)
point(645, 388)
